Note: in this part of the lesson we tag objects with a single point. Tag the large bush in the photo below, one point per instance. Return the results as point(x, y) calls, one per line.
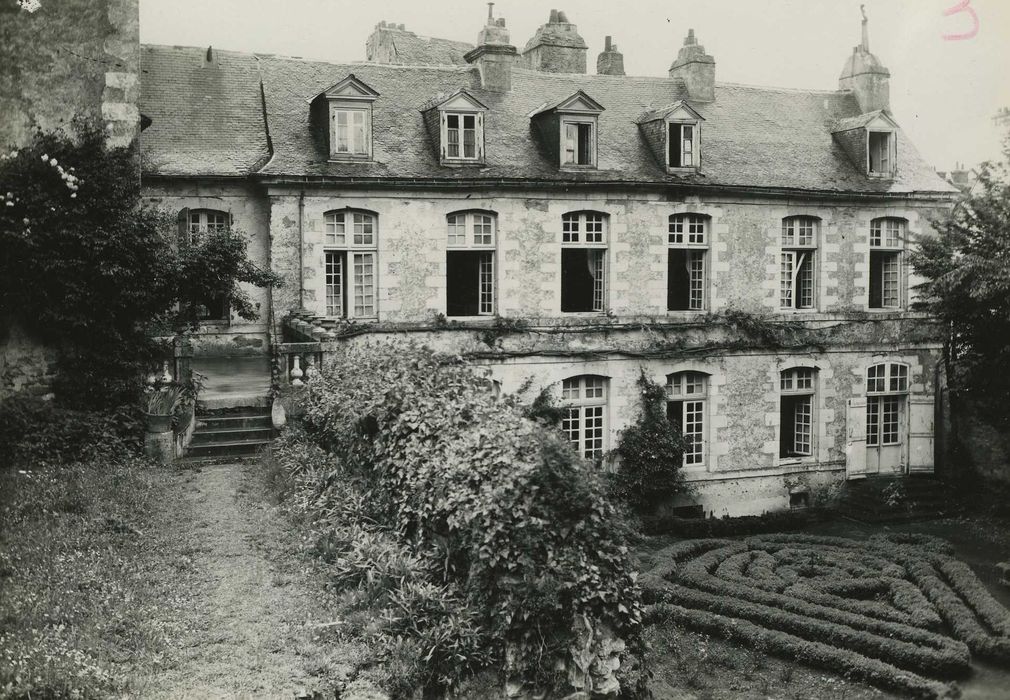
point(495, 507)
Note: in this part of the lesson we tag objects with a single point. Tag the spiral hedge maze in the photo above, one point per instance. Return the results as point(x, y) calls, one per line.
point(896, 611)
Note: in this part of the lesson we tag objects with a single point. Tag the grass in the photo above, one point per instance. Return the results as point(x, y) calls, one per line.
point(78, 592)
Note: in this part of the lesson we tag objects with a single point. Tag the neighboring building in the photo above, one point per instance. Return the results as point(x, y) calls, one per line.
point(745, 246)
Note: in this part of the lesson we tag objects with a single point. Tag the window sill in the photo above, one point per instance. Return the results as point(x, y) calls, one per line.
point(799, 311)
point(351, 158)
point(587, 314)
point(885, 309)
point(805, 460)
point(457, 162)
point(881, 176)
point(574, 167)
point(682, 170)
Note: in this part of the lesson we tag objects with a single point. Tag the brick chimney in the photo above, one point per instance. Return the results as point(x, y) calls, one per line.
point(494, 55)
point(611, 61)
point(866, 77)
point(696, 68)
point(556, 47)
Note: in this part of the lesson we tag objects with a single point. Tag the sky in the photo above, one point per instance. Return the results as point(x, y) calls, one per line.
point(944, 91)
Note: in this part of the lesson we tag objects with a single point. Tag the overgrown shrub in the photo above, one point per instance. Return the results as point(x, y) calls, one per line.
point(650, 452)
point(502, 514)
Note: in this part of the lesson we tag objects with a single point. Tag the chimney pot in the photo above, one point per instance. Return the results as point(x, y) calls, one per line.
point(606, 43)
point(562, 17)
point(554, 17)
point(556, 47)
point(494, 55)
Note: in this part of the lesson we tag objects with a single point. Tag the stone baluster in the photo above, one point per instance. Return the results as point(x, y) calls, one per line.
point(310, 368)
point(296, 372)
point(166, 376)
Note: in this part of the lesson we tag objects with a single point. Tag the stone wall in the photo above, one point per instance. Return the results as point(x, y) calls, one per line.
point(25, 364)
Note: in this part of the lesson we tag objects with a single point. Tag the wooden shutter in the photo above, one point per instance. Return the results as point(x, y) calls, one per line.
point(921, 410)
point(855, 438)
point(479, 136)
point(444, 129)
point(183, 221)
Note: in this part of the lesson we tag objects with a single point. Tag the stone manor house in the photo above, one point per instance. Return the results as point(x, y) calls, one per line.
point(747, 247)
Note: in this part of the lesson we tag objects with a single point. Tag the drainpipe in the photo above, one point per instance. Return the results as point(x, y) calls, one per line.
point(301, 250)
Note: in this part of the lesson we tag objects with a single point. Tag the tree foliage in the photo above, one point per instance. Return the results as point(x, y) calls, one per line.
point(967, 268)
point(86, 266)
point(651, 452)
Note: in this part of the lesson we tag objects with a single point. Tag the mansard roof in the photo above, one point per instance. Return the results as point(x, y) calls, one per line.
point(216, 122)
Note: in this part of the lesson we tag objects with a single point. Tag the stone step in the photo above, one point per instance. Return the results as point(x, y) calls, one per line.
point(208, 423)
point(213, 436)
point(228, 449)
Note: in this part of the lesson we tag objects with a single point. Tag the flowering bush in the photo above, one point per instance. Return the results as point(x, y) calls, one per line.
point(502, 515)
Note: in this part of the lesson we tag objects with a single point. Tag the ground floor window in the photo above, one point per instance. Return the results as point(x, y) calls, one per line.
point(469, 283)
point(350, 293)
point(584, 420)
point(796, 412)
point(687, 394)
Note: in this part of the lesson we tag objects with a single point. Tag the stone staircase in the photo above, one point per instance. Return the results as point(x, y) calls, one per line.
point(895, 499)
point(227, 434)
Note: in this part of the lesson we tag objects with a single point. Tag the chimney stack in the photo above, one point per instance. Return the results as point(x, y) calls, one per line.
point(556, 47)
point(611, 61)
point(865, 76)
point(494, 54)
point(696, 68)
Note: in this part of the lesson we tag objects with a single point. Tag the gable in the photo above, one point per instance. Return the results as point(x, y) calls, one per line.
point(678, 111)
point(350, 88)
point(462, 102)
point(579, 102)
point(881, 122)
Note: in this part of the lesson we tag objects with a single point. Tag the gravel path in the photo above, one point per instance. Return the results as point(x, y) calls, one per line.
point(253, 607)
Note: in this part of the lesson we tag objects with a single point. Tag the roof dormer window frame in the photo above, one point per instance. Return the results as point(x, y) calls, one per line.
point(694, 150)
point(570, 131)
point(881, 158)
point(460, 128)
point(349, 120)
point(664, 130)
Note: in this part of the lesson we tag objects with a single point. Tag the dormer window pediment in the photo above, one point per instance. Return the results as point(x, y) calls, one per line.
point(674, 133)
point(871, 142)
point(456, 122)
point(569, 129)
point(349, 119)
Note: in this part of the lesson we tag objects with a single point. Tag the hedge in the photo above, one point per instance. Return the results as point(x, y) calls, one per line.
point(847, 663)
point(947, 660)
point(500, 505)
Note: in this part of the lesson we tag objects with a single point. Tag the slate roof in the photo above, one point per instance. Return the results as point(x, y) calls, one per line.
point(414, 50)
point(751, 136)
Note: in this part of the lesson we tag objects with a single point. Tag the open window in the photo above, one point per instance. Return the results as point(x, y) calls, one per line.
point(584, 421)
point(687, 263)
point(686, 408)
point(881, 152)
point(568, 130)
point(673, 133)
point(470, 263)
point(584, 262)
point(797, 388)
point(798, 263)
point(350, 249)
point(682, 144)
point(456, 125)
point(580, 141)
point(887, 242)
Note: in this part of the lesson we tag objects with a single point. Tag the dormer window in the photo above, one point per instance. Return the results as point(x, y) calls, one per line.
point(348, 109)
point(568, 130)
point(674, 135)
point(881, 152)
point(456, 126)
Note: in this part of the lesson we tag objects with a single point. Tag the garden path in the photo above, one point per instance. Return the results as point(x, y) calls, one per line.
point(248, 631)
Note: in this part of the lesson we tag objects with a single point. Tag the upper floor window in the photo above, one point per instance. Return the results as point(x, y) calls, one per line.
point(686, 402)
point(583, 261)
point(350, 118)
point(880, 152)
point(682, 142)
point(350, 245)
point(798, 263)
point(579, 141)
point(887, 242)
point(584, 420)
point(568, 130)
point(462, 132)
point(470, 263)
point(797, 387)
point(687, 264)
point(351, 131)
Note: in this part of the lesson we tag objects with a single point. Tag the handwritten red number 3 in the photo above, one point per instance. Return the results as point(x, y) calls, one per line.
point(962, 6)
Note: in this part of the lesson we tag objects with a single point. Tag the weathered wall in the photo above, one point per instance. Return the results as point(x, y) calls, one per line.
point(25, 364)
point(250, 213)
point(744, 248)
point(70, 57)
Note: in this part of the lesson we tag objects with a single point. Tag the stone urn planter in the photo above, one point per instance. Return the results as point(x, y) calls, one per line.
point(158, 423)
point(278, 416)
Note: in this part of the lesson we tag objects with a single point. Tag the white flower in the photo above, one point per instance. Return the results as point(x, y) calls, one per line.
point(10, 203)
point(30, 6)
point(73, 196)
point(53, 161)
point(45, 158)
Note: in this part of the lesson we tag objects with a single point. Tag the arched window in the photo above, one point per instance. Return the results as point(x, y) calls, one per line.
point(886, 390)
point(887, 242)
point(470, 263)
point(797, 388)
point(350, 243)
point(798, 262)
point(686, 407)
point(585, 414)
point(687, 263)
point(584, 261)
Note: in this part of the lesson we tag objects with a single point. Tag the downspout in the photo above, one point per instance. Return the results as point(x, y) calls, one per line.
point(301, 250)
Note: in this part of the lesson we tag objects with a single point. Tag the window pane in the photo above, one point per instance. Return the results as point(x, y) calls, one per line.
point(585, 144)
point(469, 136)
point(486, 281)
point(693, 430)
point(452, 135)
point(570, 228)
point(889, 420)
point(571, 143)
point(342, 136)
point(457, 229)
point(364, 284)
point(334, 284)
point(599, 282)
point(805, 282)
point(364, 229)
point(674, 141)
point(786, 267)
point(360, 145)
point(594, 228)
point(483, 231)
point(873, 421)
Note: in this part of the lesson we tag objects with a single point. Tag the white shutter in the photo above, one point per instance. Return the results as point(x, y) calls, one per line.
point(921, 410)
point(479, 136)
point(855, 438)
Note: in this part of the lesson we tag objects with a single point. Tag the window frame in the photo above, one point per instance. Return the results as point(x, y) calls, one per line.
point(680, 389)
point(695, 144)
point(203, 226)
point(337, 108)
point(699, 247)
point(892, 152)
point(578, 119)
point(893, 379)
point(350, 250)
point(879, 244)
point(471, 244)
point(791, 228)
point(600, 297)
point(790, 387)
point(580, 403)
point(478, 147)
